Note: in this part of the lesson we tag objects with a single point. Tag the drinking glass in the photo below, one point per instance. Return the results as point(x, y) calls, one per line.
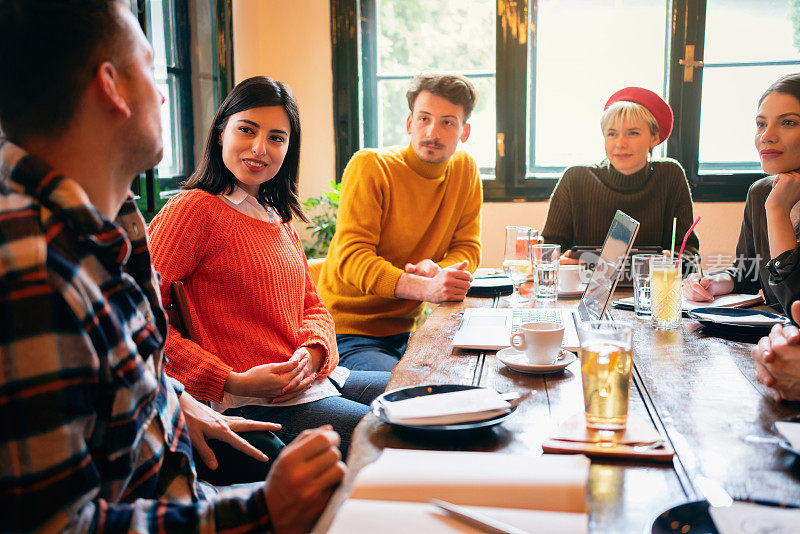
point(605, 353)
point(517, 260)
point(640, 269)
point(546, 259)
point(665, 292)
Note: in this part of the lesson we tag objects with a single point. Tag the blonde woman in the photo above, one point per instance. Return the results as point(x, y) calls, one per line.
point(652, 191)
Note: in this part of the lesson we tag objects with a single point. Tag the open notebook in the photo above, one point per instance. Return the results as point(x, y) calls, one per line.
point(534, 493)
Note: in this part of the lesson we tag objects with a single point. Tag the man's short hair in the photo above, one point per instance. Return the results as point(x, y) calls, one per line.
point(49, 52)
point(455, 88)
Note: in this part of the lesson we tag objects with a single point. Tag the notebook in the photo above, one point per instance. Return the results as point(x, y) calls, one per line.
point(491, 328)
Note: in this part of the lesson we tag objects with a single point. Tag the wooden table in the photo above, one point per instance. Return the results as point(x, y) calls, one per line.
point(697, 390)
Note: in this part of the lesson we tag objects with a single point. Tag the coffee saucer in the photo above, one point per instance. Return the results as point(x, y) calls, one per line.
point(517, 361)
point(567, 294)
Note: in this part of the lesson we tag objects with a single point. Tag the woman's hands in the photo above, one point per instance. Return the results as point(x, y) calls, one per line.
point(777, 360)
point(704, 289)
point(279, 381)
point(203, 422)
point(785, 193)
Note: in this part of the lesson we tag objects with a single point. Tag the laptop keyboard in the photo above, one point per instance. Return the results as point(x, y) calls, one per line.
point(533, 315)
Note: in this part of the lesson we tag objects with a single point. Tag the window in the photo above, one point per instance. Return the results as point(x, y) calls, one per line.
point(545, 68)
point(181, 65)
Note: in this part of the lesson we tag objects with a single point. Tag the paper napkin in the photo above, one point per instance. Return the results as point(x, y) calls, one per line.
point(447, 408)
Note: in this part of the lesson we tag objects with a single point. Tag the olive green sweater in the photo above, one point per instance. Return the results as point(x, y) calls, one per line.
point(586, 197)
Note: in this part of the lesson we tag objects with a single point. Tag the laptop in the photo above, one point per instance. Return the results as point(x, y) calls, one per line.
point(491, 328)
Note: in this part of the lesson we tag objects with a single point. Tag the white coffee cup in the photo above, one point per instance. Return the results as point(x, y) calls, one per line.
point(570, 277)
point(541, 342)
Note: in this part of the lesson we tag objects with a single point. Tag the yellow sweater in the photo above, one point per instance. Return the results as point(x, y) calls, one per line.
point(396, 209)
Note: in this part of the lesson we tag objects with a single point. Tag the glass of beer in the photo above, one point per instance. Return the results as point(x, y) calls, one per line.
point(665, 292)
point(605, 354)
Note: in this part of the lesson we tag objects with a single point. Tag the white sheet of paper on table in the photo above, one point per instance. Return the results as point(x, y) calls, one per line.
point(747, 518)
point(790, 431)
point(393, 517)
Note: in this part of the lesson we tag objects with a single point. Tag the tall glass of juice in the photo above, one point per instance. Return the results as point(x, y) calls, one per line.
point(665, 292)
point(605, 353)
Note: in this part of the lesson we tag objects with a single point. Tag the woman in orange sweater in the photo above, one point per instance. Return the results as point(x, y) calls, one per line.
point(267, 346)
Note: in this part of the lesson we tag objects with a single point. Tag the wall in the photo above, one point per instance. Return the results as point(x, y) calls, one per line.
point(290, 41)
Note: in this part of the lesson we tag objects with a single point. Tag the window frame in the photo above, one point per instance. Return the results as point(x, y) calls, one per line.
point(148, 187)
point(512, 182)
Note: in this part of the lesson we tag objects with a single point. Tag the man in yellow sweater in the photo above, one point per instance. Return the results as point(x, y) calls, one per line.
point(408, 229)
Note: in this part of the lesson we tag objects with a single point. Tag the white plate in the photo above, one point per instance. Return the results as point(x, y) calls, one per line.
point(517, 361)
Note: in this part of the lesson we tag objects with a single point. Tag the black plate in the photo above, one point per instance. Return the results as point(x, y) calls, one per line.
point(693, 517)
point(420, 391)
point(783, 443)
point(734, 328)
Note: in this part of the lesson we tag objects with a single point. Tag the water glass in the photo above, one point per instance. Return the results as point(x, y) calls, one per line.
point(665, 292)
point(546, 259)
point(605, 353)
point(640, 270)
point(517, 260)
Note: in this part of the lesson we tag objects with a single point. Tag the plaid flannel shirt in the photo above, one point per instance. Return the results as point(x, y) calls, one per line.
point(92, 437)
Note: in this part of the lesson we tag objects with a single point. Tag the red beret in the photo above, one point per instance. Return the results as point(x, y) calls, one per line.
point(654, 104)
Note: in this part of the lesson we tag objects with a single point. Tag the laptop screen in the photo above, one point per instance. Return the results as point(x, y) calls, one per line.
point(608, 266)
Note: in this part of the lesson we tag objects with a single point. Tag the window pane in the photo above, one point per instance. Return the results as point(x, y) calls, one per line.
point(740, 31)
point(727, 116)
point(750, 30)
point(605, 45)
point(442, 36)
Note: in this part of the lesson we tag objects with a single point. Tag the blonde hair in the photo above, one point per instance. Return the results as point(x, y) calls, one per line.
point(626, 111)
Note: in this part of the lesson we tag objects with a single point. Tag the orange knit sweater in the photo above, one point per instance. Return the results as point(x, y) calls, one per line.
point(250, 293)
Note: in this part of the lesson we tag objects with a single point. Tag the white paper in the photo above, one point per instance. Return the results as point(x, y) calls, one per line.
point(392, 517)
point(749, 518)
point(731, 300)
point(790, 431)
point(547, 482)
point(447, 408)
point(319, 389)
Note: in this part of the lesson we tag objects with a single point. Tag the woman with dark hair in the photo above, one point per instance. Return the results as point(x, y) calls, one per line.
point(266, 346)
point(767, 254)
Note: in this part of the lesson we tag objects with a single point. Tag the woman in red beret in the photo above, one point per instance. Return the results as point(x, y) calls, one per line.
point(651, 191)
point(767, 255)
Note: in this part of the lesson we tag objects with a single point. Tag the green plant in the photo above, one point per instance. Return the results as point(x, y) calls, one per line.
point(322, 210)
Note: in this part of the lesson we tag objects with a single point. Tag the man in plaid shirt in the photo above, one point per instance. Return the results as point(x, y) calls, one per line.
point(93, 435)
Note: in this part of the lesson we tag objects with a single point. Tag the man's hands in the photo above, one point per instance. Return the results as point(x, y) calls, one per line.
point(274, 380)
point(302, 480)
point(777, 360)
point(704, 289)
point(203, 422)
point(427, 281)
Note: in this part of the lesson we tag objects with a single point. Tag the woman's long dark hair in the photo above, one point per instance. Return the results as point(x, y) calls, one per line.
point(788, 84)
point(213, 176)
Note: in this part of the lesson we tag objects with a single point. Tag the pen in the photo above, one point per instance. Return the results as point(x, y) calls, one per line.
point(476, 519)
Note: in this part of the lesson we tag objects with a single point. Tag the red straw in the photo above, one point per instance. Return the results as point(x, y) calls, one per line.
point(685, 237)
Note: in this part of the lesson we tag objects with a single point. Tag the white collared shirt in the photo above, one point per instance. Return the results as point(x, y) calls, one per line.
point(245, 203)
